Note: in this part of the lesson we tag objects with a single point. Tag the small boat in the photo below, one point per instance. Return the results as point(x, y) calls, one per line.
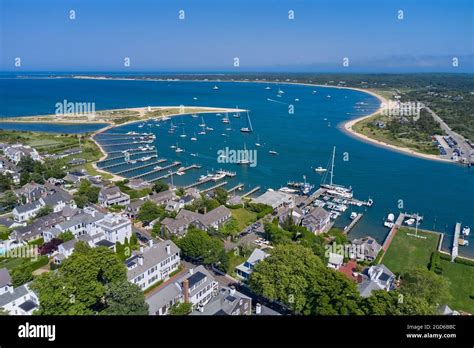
point(157, 168)
point(146, 158)
point(314, 92)
point(202, 133)
point(463, 242)
point(320, 169)
point(466, 230)
point(410, 221)
point(209, 128)
point(215, 88)
point(180, 173)
point(273, 152)
point(178, 149)
point(257, 144)
point(202, 124)
point(388, 224)
point(183, 135)
point(268, 88)
point(173, 147)
point(202, 178)
point(195, 98)
point(328, 96)
point(225, 120)
point(141, 126)
point(194, 154)
point(287, 190)
point(194, 137)
point(280, 91)
point(194, 115)
point(218, 114)
point(249, 128)
point(296, 99)
point(353, 215)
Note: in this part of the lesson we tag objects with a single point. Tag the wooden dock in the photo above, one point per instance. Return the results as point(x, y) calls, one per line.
point(393, 231)
point(183, 170)
point(455, 247)
point(214, 187)
point(255, 189)
point(349, 227)
point(161, 160)
point(128, 143)
point(235, 188)
point(174, 164)
point(123, 163)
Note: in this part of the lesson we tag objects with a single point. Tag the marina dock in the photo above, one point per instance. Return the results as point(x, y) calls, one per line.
point(128, 143)
point(174, 164)
point(123, 163)
point(136, 152)
point(354, 222)
point(455, 247)
point(393, 232)
point(141, 167)
point(255, 189)
point(182, 170)
point(214, 187)
point(235, 188)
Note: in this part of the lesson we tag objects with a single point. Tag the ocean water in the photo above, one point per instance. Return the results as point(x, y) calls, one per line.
point(442, 192)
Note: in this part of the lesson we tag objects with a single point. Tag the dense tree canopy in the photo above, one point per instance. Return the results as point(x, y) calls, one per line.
point(91, 280)
point(427, 285)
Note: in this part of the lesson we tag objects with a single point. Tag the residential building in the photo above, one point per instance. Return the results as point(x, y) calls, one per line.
point(162, 198)
point(317, 220)
point(27, 211)
point(244, 270)
point(16, 301)
point(133, 208)
point(153, 264)
point(185, 218)
point(30, 192)
point(112, 195)
point(139, 184)
point(115, 228)
point(227, 302)
point(275, 199)
point(377, 277)
point(197, 286)
point(365, 248)
point(16, 152)
point(335, 261)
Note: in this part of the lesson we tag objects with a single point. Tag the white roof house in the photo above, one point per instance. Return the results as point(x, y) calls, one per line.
point(244, 270)
point(335, 260)
point(275, 199)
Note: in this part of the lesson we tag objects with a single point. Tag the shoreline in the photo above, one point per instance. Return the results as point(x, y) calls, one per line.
point(345, 126)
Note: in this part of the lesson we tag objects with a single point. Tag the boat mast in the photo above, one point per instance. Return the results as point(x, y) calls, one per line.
point(332, 165)
point(248, 120)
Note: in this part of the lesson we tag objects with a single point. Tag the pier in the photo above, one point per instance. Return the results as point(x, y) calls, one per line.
point(255, 189)
point(182, 170)
point(454, 249)
point(174, 164)
point(122, 163)
point(354, 222)
point(122, 134)
point(128, 143)
point(132, 152)
point(235, 188)
point(141, 167)
point(214, 187)
point(393, 232)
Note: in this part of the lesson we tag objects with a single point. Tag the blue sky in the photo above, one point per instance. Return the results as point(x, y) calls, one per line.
point(258, 32)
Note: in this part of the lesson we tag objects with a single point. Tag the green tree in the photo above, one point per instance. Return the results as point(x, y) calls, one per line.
point(424, 284)
point(221, 195)
point(197, 244)
point(46, 210)
point(160, 186)
point(66, 236)
point(124, 298)
point(6, 182)
point(181, 308)
point(9, 200)
point(382, 302)
point(149, 211)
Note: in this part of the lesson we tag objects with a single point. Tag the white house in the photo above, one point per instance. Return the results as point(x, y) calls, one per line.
point(275, 199)
point(335, 261)
point(376, 278)
point(16, 152)
point(115, 228)
point(16, 301)
point(27, 211)
point(153, 264)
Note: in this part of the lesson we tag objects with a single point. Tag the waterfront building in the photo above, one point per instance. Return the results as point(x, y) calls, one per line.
point(365, 248)
point(275, 199)
point(112, 195)
point(377, 277)
point(16, 152)
point(317, 220)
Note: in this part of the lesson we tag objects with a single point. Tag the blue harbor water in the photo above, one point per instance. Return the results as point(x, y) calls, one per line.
point(442, 192)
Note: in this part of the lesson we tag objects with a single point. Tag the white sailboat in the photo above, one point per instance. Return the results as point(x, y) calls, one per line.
point(333, 189)
point(215, 87)
point(249, 128)
point(257, 144)
point(194, 138)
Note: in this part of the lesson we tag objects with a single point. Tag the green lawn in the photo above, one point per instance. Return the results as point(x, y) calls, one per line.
point(243, 217)
point(408, 252)
point(461, 286)
point(234, 261)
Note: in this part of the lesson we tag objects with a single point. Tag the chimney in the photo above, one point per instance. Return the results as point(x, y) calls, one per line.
point(191, 271)
point(141, 249)
point(150, 243)
point(168, 249)
point(186, 290)
point(258, 308)
point(232, 290)
point(140, 260)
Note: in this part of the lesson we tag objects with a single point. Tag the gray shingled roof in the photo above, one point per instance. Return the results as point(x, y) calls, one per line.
point(5, 279)
point(151, 257)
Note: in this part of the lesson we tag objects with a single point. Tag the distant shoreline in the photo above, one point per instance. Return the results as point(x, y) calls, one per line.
point(346, 126)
